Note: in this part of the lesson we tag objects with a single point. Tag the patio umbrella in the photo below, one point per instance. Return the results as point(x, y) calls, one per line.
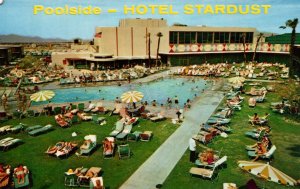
point(267, 172)
point(236, 80)
point(42, 96)
point(132, 96)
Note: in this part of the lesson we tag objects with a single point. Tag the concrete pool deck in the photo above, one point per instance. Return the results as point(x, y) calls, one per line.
point(160, 164)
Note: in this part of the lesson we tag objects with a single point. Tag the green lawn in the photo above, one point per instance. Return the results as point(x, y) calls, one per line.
point(48, 171)
point(285, 135)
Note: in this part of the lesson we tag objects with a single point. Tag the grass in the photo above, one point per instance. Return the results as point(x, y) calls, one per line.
point(48, 171)
point(285, 135)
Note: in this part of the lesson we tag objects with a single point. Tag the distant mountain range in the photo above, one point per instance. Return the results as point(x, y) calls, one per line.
point(12, 38)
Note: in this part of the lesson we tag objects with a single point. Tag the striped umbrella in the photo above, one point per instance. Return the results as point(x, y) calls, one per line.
point(42, 96)
point(132, 96)
point(267, 172)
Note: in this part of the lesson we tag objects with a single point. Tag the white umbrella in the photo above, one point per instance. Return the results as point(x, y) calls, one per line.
point(132, 96)
point(42, 96)
point(267, 172)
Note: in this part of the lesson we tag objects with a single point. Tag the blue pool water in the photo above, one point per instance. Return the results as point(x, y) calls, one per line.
point(158, 90)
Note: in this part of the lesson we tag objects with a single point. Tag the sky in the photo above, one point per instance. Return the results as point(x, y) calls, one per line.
point(16, 16)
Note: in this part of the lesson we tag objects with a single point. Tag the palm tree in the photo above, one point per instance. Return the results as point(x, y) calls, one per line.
point(159, 35)
point(260, 35)
point(292, 24)
point(149, 49)
point(243, 36)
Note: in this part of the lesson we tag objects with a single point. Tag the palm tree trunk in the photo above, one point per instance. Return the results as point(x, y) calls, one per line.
point(158, 44)
point(149, 50)
point(256, 45)
point(293, 65)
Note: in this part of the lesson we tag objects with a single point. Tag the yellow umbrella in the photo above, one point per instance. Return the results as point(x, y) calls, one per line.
point(267, 172)
point(132, 96)
point(236, 80)
point(42, 96)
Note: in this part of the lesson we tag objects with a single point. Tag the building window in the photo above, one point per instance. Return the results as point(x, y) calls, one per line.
point(207, 37)
point(173, 37)
point(181, 37)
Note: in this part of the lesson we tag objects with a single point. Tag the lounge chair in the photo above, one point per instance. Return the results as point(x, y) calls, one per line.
point(267, 155)
point(260, 98)
point(57, 110)
point(96, 182)
point(31, 128)
point(134, 136)
point(256, 135)
point(210, 129)
point(84, 180)
point(74, 120)
point(89, 108)
point(26, 178)
point(66, 150)
point(61, 121)
point(16, 128)
point(108, 147)
point(5, 145)
point(5, 177)
point(213, 120)
point(39, 131)
point(125, 132)
point(223, 128)
point(97, 120)
point(81, 107)
point(53, 149)
point(124, 151)
point(71, 179)
point(204, 137)
point(5, 129)
point(99, 108)
point(159, 117)
point(146, 136)
point(207, 173)
point(139, 111)
point(87, 148)
point(225, 113)
point(84, 116)
point(198, 163)
point(118, 129)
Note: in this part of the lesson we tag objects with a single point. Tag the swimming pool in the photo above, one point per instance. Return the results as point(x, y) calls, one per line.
point(158, 90)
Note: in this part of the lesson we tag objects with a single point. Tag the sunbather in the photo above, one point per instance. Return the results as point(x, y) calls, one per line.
point(4, 175)
point(108, 146)
point(98, 185)
point(20, 173)
point(57, 146)
point(254, 120)
point(61, 120)
point(207, 156)
point(261, 150)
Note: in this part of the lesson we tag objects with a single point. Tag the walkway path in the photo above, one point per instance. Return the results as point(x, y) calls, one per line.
point(158, 166)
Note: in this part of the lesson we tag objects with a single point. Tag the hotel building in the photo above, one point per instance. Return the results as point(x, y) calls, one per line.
point(135, 41)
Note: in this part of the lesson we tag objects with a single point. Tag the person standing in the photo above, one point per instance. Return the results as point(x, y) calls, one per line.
point(4, 100)
point(176, 101)
point(192, 148)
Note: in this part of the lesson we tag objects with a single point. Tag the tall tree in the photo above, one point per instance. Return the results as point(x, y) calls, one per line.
point(159, 35)
point(259, 36)
point(149, 48)
point(293, 64)
point(243, 36)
